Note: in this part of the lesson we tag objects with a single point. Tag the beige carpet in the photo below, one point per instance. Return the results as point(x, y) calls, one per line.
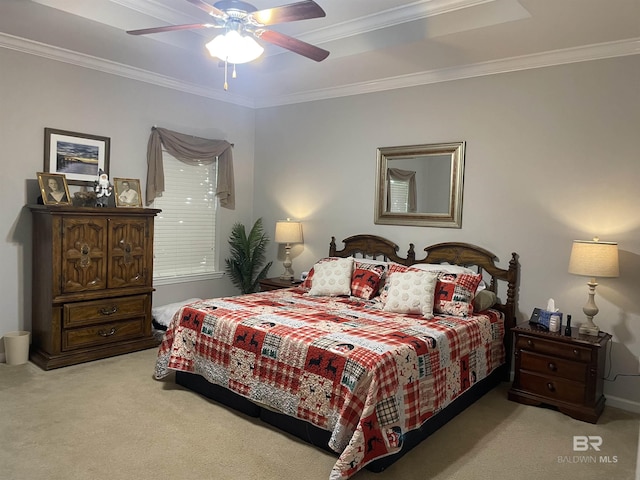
point(110, 419)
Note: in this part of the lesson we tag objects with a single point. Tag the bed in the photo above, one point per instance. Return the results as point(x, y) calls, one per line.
point(365, 373)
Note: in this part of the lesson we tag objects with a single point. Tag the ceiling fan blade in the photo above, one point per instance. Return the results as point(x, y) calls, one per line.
point(210, 9)
point(293, 44)
point(286, 13)
point(169, 28)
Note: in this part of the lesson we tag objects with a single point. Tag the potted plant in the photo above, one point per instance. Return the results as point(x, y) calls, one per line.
point(247, 257)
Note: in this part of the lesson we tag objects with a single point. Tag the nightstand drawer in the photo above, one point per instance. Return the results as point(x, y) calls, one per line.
point(108, 310)
point(102, 334)
point(542, 345)
point(554, 366)
point(553, 388)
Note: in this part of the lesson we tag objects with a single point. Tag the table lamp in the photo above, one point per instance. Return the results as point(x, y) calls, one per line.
point(593, 259)
point(288, 232)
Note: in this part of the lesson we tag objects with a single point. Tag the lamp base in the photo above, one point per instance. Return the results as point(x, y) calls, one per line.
point(285, 276)
point(586, 329)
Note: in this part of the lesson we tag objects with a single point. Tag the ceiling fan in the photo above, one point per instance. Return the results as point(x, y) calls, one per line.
point(241, 20)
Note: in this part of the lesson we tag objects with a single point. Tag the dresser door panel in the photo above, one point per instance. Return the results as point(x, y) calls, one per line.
point(128, 252)
point(84, 254)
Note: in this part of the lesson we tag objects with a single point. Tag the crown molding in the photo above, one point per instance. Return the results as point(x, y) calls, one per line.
point(493, 67)
point(526, 62)
point(31, 47)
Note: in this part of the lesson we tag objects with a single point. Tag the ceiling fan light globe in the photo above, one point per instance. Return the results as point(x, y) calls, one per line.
point(234, 48)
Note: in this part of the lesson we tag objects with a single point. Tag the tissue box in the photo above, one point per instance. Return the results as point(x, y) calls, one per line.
point(545, 316)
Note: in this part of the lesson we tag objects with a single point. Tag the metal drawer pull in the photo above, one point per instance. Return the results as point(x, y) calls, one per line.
point(551, 387)
point(109, 311)
point(552, 366)
point(102, 333)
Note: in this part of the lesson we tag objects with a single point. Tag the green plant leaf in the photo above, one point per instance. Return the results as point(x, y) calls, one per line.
point(248, 255)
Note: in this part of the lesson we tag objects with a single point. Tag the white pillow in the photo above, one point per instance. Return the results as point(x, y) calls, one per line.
point(443, 267)
point(411, 292)
point(332, 278)
point(164, 313)
point(372, 261)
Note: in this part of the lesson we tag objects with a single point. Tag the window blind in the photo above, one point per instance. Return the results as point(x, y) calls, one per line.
point(184, 238)
point(399, 195)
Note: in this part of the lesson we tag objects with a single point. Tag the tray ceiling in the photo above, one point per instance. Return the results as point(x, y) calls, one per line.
point(374, 44)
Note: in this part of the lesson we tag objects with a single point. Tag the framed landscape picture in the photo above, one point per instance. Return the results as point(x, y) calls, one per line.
point(54, 189)
point(128, 192)
point(79, 156)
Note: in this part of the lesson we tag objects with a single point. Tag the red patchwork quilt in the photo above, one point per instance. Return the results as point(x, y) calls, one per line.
point(366, 375)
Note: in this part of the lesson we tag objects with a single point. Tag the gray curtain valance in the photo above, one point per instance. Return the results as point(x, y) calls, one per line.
point(192, 151)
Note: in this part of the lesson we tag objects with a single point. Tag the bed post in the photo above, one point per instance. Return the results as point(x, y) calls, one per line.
point(332, 247)
point(510, 313)
point(411, 255)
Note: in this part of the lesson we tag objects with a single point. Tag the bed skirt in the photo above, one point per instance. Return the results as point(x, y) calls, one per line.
point(319, 437)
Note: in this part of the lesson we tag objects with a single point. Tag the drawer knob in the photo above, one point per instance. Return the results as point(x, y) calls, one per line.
point(576, 352)
point(552, 366)
point(551, 387)
point(102, 333)
point(109, 311)
point(529, 343)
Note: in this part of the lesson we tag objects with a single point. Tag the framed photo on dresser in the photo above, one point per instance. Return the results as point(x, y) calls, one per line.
point(128, 192)
point(54, 189)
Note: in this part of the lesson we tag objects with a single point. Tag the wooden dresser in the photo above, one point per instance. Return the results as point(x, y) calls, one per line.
point(92, 283)
point(565, 372)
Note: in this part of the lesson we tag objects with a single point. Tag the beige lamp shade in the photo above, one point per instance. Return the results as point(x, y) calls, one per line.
point(288, 232)
point(594, 259)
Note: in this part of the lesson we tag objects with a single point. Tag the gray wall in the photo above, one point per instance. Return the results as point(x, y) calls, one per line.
point(39, 93)
point(550, 157)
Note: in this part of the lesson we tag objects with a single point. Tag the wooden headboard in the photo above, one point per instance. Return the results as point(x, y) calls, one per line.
point(464, 254)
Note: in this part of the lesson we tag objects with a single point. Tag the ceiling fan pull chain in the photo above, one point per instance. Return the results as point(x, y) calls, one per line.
point(233, 75)
point(226, 85)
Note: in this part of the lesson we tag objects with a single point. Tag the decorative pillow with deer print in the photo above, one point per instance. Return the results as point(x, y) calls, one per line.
point(366, 279)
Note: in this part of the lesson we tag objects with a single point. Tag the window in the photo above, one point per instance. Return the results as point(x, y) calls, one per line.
point(184, 238)
point(399, 195)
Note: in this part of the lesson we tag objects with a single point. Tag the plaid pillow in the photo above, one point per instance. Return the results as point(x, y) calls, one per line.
point(454, 293)
point(365, 280)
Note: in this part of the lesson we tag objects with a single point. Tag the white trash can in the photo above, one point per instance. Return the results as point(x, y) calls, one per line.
point(16, 347)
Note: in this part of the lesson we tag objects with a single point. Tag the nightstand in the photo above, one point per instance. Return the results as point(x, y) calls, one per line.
point(564, 372)
point(276, 283)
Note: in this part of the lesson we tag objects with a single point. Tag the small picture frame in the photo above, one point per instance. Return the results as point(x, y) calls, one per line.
point(54, 189)
point(128, 192)
point(79, 156)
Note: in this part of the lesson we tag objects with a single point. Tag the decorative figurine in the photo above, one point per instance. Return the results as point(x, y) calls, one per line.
point(103, 189)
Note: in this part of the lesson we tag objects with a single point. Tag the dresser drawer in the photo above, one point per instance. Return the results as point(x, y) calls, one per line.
point(557, 349)
point(102, 334)
point(553, 366)
point(82, 314)
point(553, 388)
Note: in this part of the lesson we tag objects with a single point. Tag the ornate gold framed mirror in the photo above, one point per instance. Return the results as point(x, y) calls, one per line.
point(420, 185)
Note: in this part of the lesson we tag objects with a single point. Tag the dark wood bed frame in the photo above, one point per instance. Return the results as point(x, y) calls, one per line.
point(372, 246)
